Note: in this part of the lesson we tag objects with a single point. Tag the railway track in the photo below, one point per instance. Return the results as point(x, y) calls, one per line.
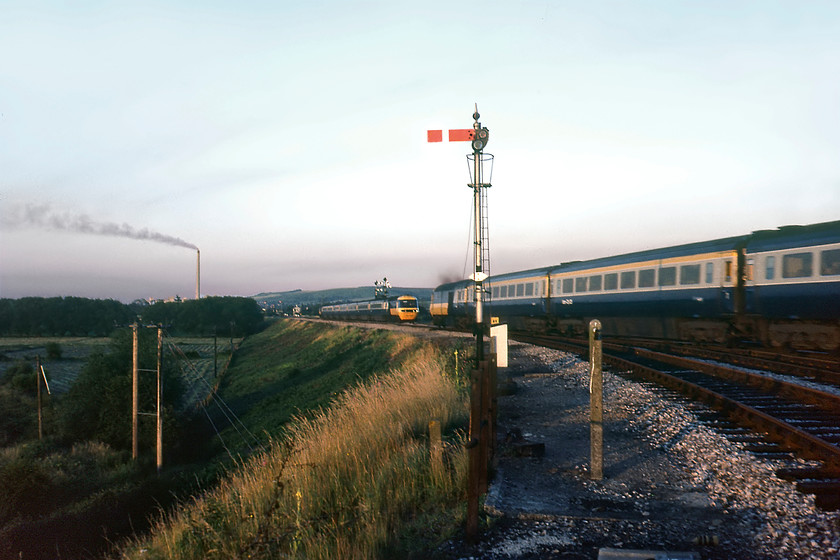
point(791, 418)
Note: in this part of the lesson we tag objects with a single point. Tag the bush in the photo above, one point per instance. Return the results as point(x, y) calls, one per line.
point(25, 489)
point(53, 350)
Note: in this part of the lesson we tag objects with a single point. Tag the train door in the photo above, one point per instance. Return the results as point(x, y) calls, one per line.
point(726, 284)
point(748, 283)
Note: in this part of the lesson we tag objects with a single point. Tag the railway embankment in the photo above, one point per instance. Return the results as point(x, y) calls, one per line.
point(352, 478)
point(673, 479)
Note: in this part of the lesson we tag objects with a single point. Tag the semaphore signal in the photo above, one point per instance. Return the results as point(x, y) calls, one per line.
point(482, 381)
point(455, 135)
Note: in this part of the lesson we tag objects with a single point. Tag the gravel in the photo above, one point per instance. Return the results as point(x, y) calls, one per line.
point(671, 481)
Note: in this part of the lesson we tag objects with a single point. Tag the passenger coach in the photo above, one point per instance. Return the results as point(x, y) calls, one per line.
point(452, 304)
point(402, 309)
point(794, 285)
point(664, 293)
point(777, 287)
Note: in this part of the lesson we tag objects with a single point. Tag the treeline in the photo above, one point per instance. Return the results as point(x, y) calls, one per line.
point(75, 316)
point(62, 316)
point(235, 316)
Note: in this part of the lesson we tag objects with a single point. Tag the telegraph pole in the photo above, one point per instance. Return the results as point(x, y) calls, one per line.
point(38, 381)
point(134, 391)
point(159, 421)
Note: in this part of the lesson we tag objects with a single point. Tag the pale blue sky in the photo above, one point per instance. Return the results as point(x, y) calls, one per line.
point(287, 140)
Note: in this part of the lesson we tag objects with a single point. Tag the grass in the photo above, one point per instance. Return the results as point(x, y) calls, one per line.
point(354, 480)
point(294, 367)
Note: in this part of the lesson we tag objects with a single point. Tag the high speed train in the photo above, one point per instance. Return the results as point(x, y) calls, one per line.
point(402, 309)
point(776, 287)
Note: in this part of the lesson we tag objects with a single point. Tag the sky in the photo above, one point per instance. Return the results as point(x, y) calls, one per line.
point(287, 140)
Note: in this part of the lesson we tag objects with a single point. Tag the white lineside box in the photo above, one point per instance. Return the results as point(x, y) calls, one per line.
point(499, 344)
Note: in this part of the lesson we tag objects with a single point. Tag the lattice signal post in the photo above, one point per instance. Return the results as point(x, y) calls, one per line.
point(483, 377)
point(478, 136)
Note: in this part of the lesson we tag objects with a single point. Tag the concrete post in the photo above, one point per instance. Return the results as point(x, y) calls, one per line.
point(596, 402)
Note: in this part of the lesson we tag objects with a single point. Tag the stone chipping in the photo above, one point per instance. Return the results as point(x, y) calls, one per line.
point(671, 481)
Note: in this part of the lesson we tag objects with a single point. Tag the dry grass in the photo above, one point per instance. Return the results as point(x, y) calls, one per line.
point(342, 484)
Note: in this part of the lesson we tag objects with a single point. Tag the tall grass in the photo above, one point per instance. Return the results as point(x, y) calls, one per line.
point(353, 481)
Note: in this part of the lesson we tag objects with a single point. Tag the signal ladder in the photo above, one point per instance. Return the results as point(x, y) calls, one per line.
point(485, 240)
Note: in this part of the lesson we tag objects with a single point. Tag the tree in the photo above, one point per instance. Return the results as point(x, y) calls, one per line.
point(98, 405)
point(237, 316)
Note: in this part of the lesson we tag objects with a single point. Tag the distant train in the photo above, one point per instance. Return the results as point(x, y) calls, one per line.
point(775, 287)
point(401, 309)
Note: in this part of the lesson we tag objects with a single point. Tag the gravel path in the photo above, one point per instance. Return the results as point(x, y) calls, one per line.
point(670, 481)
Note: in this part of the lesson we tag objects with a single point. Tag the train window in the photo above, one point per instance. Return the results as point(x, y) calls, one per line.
point(798, 265)
point(611, 281)
point(520, 288)
point(770, 267)
point(568, 285)
point(503, 291)
point(529, 289)
point(628, 280)
point(647, 278)
point(710, 272)
point(580, 285)
point(830, 262)
point(689, 274)
point(495, 292)
point(668, 276)
point(595, 283)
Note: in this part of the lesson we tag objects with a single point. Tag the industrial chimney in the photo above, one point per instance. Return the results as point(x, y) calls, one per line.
point(197, 274)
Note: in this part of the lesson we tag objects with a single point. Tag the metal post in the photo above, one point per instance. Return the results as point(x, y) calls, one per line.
point(134, 392)
point(479, 311)
point(159, 421)
point(480, 379)
point(596, 402)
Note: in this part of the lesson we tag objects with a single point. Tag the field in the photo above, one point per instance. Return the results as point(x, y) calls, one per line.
point(60, 372)
point(194, 355)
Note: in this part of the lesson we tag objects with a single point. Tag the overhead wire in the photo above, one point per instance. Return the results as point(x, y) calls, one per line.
point(230, 415)
point(469, 238)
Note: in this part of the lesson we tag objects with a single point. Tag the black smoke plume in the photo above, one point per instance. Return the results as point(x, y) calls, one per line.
point(43, 216)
